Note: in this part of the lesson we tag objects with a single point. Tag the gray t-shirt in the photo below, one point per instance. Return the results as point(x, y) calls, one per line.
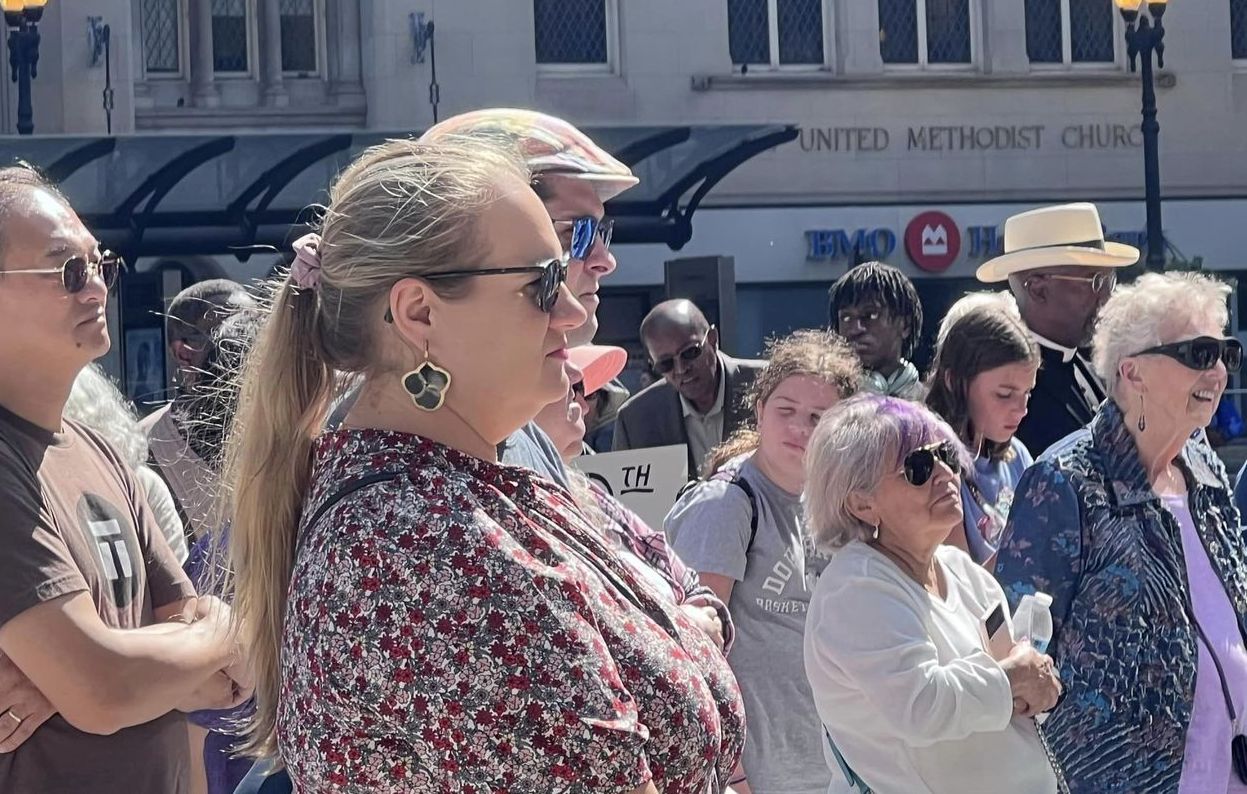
point(709, 529)
point(531, 448)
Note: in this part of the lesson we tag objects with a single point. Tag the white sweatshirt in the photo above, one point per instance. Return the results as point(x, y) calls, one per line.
point(904, 687)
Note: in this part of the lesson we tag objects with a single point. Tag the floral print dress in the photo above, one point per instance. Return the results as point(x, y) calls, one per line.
point(460, 628)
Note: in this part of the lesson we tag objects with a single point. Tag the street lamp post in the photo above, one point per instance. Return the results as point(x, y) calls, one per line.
point(1144, 37)
point(22, 17)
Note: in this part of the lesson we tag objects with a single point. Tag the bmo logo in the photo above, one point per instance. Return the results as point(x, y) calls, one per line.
point(932, 241)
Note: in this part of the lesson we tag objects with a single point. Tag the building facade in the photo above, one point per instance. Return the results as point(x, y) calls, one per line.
point(924, 123)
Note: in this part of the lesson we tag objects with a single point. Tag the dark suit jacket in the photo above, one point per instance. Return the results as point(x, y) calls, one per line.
point(1058, 405)
point(655, 418)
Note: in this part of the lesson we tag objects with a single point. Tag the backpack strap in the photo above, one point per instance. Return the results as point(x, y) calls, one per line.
point(743, 484)
point(349, 487)
point(732, 477)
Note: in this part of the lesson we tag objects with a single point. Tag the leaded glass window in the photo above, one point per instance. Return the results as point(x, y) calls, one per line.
point(162, 39)
point(775, 32)
point(230, 36)
point(925, 32)
point(571, 31)
point(298, 36)
point(1070, 31)
point(948, 31)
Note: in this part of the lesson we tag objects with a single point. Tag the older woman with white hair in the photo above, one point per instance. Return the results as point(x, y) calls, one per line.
point(907, 648)
point(1134, 533)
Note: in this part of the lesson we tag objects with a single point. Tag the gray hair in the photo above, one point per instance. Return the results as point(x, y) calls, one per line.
point(1150, 312)
point(859, 442)
point(95, 401)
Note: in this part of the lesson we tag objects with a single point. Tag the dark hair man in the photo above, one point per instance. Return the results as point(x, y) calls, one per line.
point(876, 308)
point(90, 586)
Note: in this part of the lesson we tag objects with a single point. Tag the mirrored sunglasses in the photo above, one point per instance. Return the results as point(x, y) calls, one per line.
point(584, 231)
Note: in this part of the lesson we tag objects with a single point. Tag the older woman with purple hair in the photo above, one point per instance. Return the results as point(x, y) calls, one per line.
point(907, 644)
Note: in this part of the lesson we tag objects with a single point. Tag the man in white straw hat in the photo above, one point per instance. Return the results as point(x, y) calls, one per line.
point(1061, 270)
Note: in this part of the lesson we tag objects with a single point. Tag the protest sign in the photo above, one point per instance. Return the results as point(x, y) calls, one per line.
point(644, 480)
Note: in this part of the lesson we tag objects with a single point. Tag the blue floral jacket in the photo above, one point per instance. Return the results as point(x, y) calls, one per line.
point(1088, 529)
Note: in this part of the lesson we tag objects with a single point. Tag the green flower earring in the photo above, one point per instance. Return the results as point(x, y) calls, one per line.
point(427, 384)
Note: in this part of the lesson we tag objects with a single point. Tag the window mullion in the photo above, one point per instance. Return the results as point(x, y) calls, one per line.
point(920, 8)
point(1067, 35)
point(772, 30)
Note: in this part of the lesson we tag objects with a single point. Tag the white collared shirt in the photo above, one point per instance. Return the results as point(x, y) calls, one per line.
point(1081, 373)
point(705, 431)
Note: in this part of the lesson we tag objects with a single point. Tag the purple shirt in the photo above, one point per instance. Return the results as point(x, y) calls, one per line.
point(1206, 766)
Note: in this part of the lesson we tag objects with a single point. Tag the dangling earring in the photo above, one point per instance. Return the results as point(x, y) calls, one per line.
point(875, 535)
point(1142, 415)
point(427, 384)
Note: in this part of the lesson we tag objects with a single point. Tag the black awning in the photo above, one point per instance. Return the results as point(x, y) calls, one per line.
point(171, 194)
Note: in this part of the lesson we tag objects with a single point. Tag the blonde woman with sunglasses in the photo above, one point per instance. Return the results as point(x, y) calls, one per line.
point(425, 617)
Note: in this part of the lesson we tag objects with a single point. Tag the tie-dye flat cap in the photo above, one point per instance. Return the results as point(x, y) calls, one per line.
point(549, 144)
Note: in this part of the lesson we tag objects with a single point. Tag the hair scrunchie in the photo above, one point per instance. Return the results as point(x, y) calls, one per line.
point(305, 270)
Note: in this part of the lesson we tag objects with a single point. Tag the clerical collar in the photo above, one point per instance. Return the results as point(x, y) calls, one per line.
point(1067, 353)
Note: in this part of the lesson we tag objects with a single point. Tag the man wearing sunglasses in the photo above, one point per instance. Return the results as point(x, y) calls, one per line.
point(699, 400)
point(574, 177)
point(1061, 270)
point(100, 631)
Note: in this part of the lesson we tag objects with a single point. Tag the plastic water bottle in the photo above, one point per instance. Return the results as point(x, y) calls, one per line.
point(1033, 621)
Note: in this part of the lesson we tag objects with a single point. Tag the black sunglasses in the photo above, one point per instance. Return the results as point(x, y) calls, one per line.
point(1201, 353)
point(920, 464)
point(77, 271)
point(584, 231)
point(691, 353)
point(553, 274)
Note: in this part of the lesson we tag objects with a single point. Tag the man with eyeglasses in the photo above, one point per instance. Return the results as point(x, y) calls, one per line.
point(699, 400)
point(574, 177)
point(1061, 270)
point(102, 640)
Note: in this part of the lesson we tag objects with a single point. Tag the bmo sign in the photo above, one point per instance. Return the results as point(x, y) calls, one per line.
point(860, 244)
point(932, 241)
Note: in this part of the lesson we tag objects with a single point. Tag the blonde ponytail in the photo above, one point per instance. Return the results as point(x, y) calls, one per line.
point(284, 399)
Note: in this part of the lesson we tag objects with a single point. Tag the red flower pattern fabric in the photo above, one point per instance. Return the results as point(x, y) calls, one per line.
point(460, 628)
